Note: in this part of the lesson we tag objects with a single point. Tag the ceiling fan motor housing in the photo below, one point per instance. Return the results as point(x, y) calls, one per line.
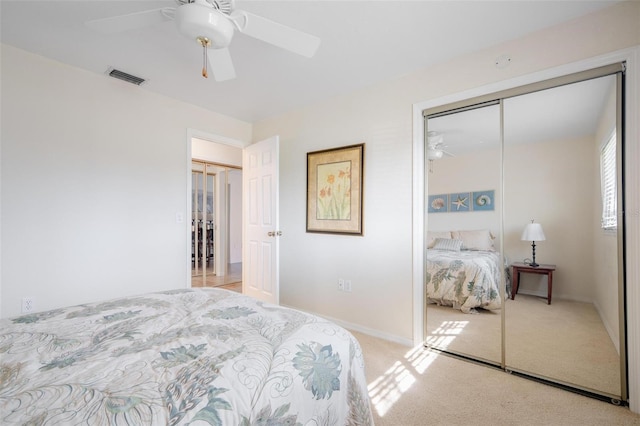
point(196, 20)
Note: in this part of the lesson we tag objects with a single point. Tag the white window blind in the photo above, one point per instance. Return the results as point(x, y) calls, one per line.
point(608, 184)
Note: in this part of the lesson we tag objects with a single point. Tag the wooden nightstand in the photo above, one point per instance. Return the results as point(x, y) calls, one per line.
point(523, 267)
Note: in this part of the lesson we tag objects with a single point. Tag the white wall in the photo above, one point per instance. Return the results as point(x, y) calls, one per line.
point(379, 263)
point(218, 150)
point(94, 171)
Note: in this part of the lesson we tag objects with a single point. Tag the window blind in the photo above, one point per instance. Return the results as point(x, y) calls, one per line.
point(608, 184)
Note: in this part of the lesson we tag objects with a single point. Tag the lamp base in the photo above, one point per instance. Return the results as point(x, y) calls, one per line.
point(533, 263)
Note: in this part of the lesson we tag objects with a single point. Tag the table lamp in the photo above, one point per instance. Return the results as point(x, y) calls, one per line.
point(533, 232)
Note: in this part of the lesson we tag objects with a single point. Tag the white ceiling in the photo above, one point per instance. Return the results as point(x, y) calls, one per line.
point(363, 42)
point(560, 113)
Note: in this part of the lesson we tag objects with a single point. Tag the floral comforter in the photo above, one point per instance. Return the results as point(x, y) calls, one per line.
point(191, 356)
point(466, 279)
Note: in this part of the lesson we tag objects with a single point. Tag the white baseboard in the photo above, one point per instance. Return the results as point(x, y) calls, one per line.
point(361, 329)
point(543, 294)
point(532, 293)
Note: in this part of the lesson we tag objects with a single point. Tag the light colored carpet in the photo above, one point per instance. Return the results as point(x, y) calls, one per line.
point(477, 334)
point(565, 341)
point(420, 387)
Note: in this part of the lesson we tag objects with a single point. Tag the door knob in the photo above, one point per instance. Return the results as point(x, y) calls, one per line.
point(273, 233)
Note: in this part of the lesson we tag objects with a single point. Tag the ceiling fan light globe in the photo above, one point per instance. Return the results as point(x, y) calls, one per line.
point(434, 154)
point(197, 20)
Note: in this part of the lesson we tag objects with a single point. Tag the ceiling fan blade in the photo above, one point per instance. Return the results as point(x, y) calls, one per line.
point(277, 34)
point(221, 64)
point(131, 21)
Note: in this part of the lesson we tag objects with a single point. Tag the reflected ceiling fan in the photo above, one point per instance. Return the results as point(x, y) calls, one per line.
point(212, 24)
point(435, 151)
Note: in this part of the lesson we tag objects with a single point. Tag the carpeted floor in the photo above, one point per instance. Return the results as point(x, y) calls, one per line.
point(420, 387)
point(565, 340)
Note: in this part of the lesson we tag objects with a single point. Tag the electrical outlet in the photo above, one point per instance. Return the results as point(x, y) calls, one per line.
point(341, 284)
point(347, 285)
point(27, 305)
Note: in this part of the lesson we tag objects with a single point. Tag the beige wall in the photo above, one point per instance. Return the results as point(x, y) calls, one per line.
point(479, 171)
point(551, 182)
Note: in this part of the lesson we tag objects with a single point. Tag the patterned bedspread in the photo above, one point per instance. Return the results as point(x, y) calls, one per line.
point(466, 279)
point(192, 356)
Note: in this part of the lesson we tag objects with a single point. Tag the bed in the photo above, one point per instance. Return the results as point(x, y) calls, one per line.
point(463, 271)
point(189, 356)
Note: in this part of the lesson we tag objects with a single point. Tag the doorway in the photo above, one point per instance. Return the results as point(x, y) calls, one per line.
point(215, 193)
point(256, 215)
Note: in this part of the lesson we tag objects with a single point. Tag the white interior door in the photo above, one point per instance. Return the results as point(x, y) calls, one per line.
point(261, 234)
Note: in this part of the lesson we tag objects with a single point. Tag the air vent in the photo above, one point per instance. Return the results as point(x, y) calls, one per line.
point(112, 72)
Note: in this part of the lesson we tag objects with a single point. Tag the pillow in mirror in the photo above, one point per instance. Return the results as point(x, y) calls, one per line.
point(432, 235)
point(447, 244)
point(480, 239)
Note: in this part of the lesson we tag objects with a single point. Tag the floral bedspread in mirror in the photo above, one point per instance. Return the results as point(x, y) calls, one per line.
point(191, 356)
point(465, 280)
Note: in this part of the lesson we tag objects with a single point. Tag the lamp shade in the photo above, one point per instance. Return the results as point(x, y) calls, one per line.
point(533, 232)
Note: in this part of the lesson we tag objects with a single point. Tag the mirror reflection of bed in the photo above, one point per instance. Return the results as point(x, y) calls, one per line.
point(550, 166)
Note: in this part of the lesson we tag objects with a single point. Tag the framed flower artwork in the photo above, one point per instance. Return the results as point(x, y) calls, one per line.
point(335, 190)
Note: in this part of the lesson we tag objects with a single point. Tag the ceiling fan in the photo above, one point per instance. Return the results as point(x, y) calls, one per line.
point(435, 143)
point(212, 24)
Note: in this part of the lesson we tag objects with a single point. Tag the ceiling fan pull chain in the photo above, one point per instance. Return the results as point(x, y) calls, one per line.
point(205, 74)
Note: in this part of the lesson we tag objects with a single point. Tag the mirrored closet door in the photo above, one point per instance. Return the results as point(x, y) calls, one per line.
point(545, 183)
point(563, 327)
point(464, 157)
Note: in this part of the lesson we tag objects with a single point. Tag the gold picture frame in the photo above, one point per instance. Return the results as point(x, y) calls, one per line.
point(335, 190)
